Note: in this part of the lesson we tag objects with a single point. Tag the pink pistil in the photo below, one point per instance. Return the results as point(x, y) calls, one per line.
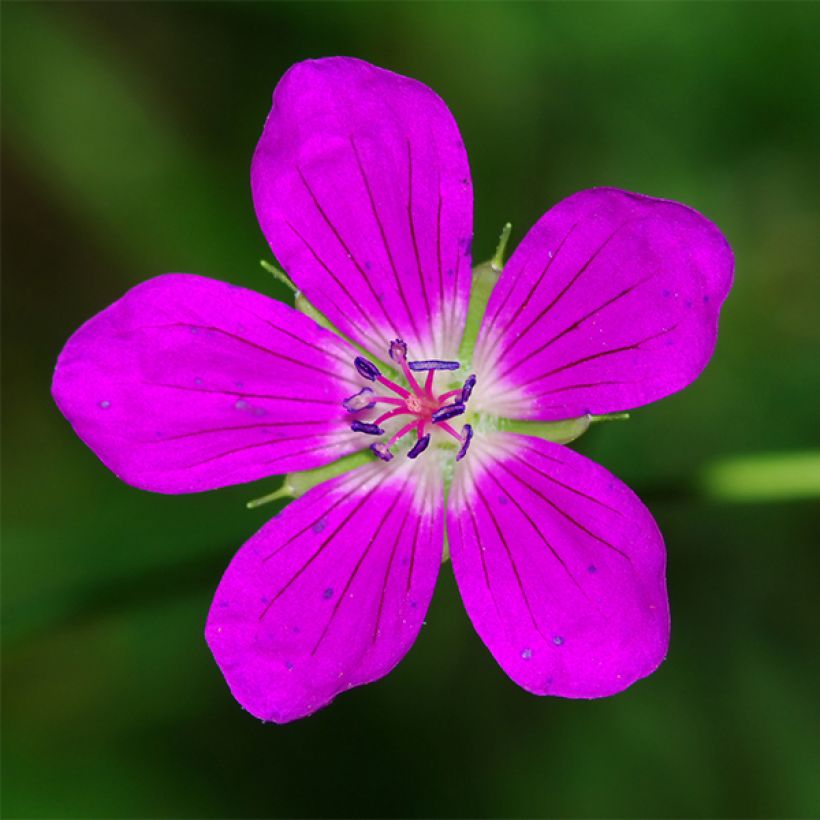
point(420, 403)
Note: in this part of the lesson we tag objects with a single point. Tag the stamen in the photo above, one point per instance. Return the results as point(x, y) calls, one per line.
point(419, 447)
point(402, 432)
point(467, 437)
point(363, 400)
point(366, 368)
point(417, 402)
point(364, 427)
point(448, 395)
point(398, 351)
point(433, 364)
point(467, 389)
point(399, 411)
point(393, 386)
point(447, 412)
point(381, 451)
point(449, 430)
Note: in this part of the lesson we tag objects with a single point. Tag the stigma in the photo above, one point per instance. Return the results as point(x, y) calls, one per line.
point(419, 409)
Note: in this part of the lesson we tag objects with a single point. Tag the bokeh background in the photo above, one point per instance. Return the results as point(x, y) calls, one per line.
point(127, 136)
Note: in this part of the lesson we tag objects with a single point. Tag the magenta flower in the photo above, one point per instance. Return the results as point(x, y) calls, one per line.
point(362, 188)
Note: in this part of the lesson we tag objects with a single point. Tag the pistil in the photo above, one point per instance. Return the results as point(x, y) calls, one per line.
point(420, 403)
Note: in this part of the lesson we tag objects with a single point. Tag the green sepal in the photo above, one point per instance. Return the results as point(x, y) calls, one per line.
point(485, 276)
point(445, 552)
point(278, 274)
point(561, 432)
point(297, 484)
point(303, 306)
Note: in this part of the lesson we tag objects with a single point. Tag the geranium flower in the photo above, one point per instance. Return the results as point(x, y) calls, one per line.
point(362, 188)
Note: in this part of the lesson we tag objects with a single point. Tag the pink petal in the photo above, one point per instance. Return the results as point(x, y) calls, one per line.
point(332, 593)
point(610, 302)
point(561, 567)
point(186, 384)
point(362, 188)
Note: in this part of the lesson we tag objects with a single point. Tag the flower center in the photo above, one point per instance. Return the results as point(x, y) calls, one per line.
point(418, 408)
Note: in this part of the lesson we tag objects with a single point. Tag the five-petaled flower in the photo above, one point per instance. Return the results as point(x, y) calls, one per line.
point(362, 188)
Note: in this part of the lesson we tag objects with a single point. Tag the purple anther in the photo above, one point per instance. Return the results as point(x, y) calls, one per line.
point(366, 368)
point(466, 438)
point(467, 388)
point(447, 412)
point(433, 364)
point(366, 427)
point(398, 351)
point(363, 400)
point(419, 447)
point(381, 451)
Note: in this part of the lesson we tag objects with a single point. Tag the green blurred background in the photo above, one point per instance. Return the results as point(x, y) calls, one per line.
point(127, 136)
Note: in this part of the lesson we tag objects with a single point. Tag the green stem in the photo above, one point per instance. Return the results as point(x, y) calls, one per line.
point(282, 492)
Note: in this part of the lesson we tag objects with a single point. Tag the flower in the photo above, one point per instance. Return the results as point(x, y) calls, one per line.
point(362, 188)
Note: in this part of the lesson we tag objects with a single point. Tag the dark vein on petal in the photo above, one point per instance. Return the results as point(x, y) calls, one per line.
point(413, 555)
point(454, 300)
point(266, 443)
point(380, 226)
point(541, 348)
point(561, 512)
point(412, 227)
point(561, 483)
point(352, 440)
point(275, 353)
point(230, 428)
point(325, 511)
point(387, 571)
point(442, 300)
point(322, 351)
point(343, 595)
point(550, 259)
point(513, 565)
point(600, 355)
point(242, 393)
point(560, 294)
point(347, 251)
point(538, 532)
point(579, 387)
point(493, 319)
point(315, 555)
point(481, 551)
point(338, 356)
point(365, 334)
